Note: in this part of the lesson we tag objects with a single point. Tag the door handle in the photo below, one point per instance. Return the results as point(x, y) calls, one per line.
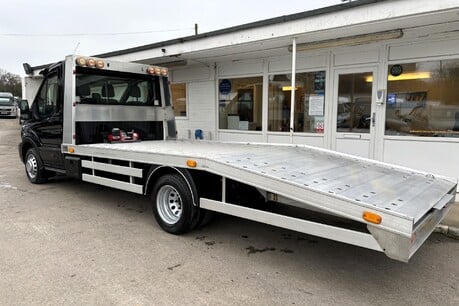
point(373, 120)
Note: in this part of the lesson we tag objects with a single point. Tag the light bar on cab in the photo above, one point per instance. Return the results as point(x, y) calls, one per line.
point(89, 62)
point(155, 70)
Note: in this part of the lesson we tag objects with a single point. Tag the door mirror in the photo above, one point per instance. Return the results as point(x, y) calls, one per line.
point(24, 107)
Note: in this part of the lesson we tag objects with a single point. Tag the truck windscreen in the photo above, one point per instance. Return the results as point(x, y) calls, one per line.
point(116, 88)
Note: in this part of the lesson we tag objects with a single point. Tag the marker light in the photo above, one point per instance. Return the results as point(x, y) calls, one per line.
point(71, 150)
point(151, 70)
point(100, 64)
point(191, 163)
point(371, 217)
point(81, 61)
point(90, 62)
point(155, 70)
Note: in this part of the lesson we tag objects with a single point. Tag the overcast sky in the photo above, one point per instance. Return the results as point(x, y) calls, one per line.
point(45, 31)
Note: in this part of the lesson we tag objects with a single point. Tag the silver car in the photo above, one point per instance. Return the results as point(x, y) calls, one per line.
point(8, 107)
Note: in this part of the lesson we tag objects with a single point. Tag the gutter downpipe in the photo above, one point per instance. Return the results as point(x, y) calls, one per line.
point(292, 91)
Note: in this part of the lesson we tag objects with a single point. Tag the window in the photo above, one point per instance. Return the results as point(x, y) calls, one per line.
point(354, 103)
point(423, 99)
point(178, 91)
point(47, 98)
point(309, 102)
point(107, 87)
point(240, 103)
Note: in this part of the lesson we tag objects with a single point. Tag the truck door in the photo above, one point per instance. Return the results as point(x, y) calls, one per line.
point(48, 124)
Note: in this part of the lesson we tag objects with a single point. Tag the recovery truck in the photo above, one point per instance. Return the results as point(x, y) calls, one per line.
point(112, 123)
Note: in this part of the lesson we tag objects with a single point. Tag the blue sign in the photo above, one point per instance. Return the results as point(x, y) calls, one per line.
point(225, 87)
point(391, 99)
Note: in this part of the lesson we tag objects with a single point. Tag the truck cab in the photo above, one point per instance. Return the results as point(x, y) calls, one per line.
point(83, 100)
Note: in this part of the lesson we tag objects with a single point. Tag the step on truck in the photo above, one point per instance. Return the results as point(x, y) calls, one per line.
point(112, 123)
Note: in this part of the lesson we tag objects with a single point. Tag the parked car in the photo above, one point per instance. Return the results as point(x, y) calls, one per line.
point(8, 107)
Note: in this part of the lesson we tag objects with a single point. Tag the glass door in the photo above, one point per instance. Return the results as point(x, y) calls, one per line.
point(353, 112)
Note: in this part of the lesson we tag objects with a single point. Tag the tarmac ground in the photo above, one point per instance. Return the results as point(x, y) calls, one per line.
point(70, 242)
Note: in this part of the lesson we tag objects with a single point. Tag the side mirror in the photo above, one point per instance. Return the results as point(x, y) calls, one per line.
point(24, 107)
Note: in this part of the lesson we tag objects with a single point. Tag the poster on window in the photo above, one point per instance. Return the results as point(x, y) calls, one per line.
point(316, 105)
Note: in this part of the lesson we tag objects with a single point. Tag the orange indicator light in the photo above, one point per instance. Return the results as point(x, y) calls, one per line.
point(191, 163)
point(371, 217)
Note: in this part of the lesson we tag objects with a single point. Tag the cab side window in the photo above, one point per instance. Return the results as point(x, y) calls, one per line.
point(47, 98)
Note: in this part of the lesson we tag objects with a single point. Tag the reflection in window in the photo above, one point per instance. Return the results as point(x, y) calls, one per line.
point(354, 103)
point(240, 103)
point(178, 91)
point(423, 99)
point(309, 102)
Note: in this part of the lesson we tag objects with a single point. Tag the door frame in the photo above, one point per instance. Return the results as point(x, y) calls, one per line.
point(371, 136)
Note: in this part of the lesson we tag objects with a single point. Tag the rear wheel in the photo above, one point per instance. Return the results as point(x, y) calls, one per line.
point(34, 168)
point(173, 204)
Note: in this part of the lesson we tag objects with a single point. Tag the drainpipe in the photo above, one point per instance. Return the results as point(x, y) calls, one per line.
point(292, 92)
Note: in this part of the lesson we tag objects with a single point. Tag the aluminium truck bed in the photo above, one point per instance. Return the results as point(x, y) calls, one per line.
point(409, 202)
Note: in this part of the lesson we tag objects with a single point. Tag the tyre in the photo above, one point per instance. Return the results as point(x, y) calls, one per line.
point(205, 217)
point(34, 167)
point(173, 204)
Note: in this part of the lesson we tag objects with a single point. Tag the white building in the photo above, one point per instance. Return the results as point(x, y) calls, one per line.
point(379, 79)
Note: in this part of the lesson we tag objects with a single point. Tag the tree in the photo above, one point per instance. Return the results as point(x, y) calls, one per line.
point(10, 82)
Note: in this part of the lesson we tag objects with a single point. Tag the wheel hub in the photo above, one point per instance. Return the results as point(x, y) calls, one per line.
point(169, 204)
point(31, 166)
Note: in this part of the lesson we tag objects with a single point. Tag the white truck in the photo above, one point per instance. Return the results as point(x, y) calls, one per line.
point(112, 123)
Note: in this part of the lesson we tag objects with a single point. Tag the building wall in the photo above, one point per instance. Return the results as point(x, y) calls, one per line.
point(201, 106)
point(426, 44)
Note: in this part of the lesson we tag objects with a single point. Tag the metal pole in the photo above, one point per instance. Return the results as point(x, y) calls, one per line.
point(292, 92)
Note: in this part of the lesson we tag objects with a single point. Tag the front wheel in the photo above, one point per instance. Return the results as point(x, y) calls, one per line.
point(173, 204)
point(34, 168)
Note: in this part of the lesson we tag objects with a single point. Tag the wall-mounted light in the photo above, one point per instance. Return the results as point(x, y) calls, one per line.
point(349, 40)
point(288, 88)
point(404, 77)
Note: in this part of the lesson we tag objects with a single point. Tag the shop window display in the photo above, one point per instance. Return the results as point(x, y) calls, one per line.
point(309, 102)
point(423, 99)
point(240, 103)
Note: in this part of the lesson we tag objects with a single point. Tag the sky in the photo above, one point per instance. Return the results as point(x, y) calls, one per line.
point(45, 31)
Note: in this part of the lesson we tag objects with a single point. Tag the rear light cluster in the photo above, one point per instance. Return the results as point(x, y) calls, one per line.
point(90, 62)
point(118, 135)
point(155, 70)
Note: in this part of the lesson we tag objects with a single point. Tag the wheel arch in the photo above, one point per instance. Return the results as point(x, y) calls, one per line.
point(156, 171)
point(26, 145)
